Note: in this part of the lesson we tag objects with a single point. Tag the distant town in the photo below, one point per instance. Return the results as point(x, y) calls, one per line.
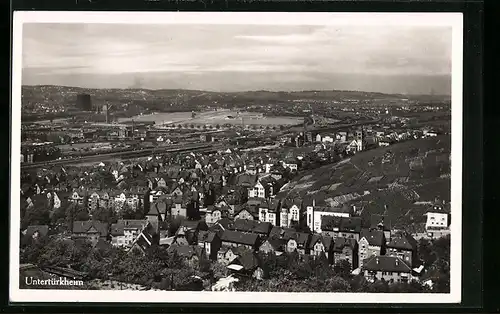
point(309, 191)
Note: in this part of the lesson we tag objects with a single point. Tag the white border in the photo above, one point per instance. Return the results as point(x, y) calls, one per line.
point(454, 20)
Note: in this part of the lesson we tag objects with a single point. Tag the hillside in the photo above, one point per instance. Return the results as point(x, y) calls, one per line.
point(164, 98)
point(407, 177)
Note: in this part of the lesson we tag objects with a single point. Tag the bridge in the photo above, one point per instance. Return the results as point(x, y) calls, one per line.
point(130, 154)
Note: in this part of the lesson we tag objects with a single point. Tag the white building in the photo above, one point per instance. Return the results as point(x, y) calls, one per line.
point(436, 221)
point(315, 214)
point(257, 191)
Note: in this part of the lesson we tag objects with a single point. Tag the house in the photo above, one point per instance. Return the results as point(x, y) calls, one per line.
point(191, 228)
point(371, 243)
point(389, 268)
point(247, 264)
point(274, 245)
point(78, 197)
point(104, 200)
point(438, 221)
point(210, 242)
point(314, 214)
point(245, 212)
point(257, 190)
point(124, 232)
point(290, 213)
point(295, 241)
point(251, 226)
point(90, 230)
point(227, 254)
point(178, 208)
point(321, 245)
point(405, 247)
point(347, 227)
point(346, 249)
point(268, 211)
point(212, 215)
point(232, 238)
point(290, 165)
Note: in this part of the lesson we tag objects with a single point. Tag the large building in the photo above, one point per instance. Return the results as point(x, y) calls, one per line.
point(84, 102)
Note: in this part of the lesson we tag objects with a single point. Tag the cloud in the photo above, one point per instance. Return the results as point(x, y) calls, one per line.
point(191, 50)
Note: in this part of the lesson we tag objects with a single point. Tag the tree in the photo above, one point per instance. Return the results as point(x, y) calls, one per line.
point(217, 126)
point(425, 252)
point(38, 214)
point(203, 263)
point(282, 127)
point(218, 271)
point(106, 215)
point(128, 212)
point(342, 268)
point(175, 224)
point(241, 195)
point(337, 284)
point(75, 212)
point(379, 286)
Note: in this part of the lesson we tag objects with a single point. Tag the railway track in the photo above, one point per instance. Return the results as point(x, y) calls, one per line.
point(123, 155)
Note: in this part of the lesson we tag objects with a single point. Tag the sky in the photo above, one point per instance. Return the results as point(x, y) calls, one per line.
point(403, 59)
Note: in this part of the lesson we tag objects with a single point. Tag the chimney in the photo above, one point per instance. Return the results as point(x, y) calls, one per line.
point(377, 260)
point(397, 262)
point(314, 202)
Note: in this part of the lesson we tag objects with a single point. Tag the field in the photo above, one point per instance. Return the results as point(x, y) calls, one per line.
point(405, 177)
point(220, 117)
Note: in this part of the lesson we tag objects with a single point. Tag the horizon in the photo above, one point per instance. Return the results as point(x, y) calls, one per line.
point(232, 58)
point(236, 92)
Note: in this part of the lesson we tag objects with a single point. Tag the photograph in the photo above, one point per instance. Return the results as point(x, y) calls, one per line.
point(217, 157)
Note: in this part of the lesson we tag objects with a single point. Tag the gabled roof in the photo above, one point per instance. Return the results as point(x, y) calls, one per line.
point(374, 237)
point(118, 228)
point(287, 234)
point(278, 244)
point(325, 240)
point(206, 236)
point(85, 226)
point(386, 263)
point(157, 208)
point(184, 251)
point(403, 242)
point(246, 180)
point(256, 226)
point(249, 260)
point(240, 237)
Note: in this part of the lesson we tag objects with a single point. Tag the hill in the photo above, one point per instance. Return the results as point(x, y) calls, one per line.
point(165, 99)
point(406, 177)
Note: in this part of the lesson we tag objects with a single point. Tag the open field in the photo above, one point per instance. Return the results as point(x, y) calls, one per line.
point(220, 117)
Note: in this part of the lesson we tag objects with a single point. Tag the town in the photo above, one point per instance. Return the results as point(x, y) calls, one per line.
point(350, 195)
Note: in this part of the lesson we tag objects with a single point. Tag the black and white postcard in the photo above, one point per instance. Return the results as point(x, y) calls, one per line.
point(236, 157)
